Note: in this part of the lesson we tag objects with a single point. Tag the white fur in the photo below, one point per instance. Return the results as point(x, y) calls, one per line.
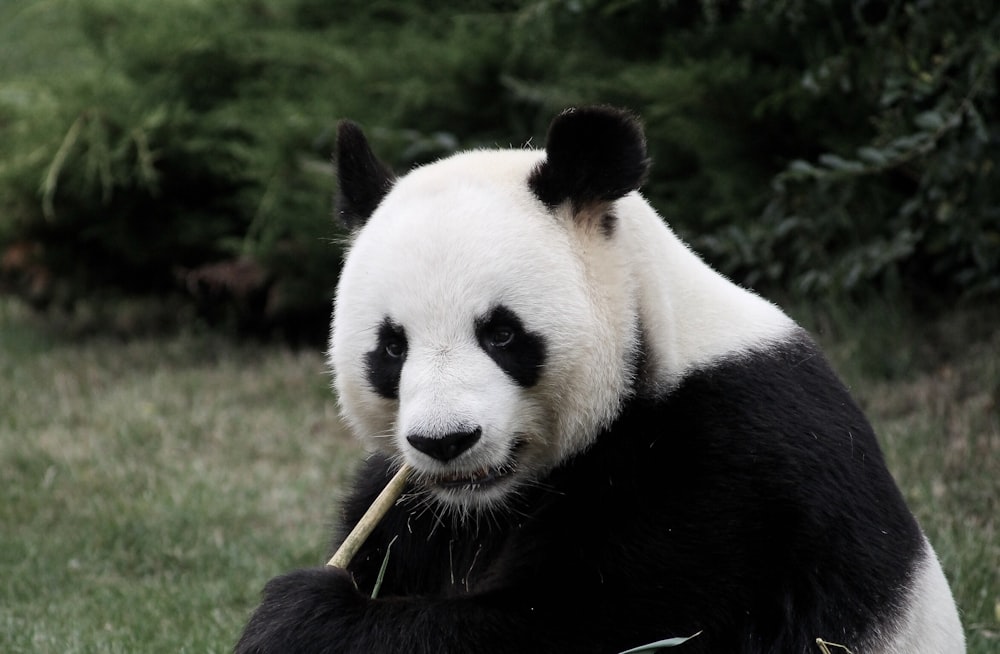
point(455, 238)
point(691, 313)
point(930, 623)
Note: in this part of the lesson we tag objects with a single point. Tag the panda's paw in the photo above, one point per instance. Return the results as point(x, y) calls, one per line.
point(303, 610)
point(315, 592)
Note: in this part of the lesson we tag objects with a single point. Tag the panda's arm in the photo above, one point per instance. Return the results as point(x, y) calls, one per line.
point(319, 610)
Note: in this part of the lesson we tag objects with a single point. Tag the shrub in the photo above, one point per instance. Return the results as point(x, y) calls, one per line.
point(911, 200)
point(184, 151)
point(181, 149)
point(812, 148)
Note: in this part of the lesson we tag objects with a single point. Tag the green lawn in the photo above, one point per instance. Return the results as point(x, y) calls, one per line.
point(151, 486)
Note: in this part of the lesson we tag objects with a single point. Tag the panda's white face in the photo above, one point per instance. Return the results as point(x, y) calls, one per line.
point(479, 335)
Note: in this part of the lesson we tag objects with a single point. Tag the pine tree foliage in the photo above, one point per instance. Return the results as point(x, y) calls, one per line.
point(181, 149)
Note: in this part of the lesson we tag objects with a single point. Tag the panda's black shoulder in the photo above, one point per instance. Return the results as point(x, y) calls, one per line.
point(758, 473)
point(775, 420)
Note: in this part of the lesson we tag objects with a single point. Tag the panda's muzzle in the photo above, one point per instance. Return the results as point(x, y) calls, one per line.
point(483, 477)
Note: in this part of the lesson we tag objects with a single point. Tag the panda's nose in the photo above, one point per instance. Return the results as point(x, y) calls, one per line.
point(446, 447)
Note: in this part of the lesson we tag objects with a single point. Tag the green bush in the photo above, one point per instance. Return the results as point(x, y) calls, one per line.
point(181, 160)
point(180, 149)
point(913, 199)
point(825, 148)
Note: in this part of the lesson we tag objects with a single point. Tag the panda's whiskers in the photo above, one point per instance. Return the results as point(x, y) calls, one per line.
point(422, 499)
point(542, 486)
point(468, 573)
point(429, 504)
point(388, 433)
point(494, 515)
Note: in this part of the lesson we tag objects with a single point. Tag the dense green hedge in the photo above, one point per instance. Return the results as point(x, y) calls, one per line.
point(180, 149)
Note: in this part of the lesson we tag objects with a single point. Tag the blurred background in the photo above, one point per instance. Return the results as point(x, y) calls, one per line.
point(168, 255)
point(179, 151)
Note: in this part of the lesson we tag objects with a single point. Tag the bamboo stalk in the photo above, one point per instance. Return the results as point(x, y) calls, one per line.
point(342, 557)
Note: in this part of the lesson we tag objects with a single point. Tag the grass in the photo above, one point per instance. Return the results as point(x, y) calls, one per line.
point(150, 486)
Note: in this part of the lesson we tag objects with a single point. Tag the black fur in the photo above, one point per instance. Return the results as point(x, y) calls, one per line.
point(523, 357)
point(363, 180)
point(751, 504)
point(592, 155)
point(384, 364)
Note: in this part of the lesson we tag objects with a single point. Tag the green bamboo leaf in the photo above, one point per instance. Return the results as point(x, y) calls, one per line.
point(652, 647)
point(381, 570)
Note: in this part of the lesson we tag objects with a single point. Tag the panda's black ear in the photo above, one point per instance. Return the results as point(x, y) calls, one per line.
point(592, 155)
point(362, 179)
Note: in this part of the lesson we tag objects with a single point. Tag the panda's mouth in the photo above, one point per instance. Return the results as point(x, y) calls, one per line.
point(481, 478)
point(476, 480)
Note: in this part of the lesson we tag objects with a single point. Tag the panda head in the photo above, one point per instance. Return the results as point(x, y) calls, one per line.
point(485, 326)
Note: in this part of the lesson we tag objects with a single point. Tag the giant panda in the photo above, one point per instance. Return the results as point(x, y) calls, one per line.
point(612, 444)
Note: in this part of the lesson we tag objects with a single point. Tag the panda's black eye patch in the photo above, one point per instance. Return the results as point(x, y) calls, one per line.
point(518, 352)
point(385, 361)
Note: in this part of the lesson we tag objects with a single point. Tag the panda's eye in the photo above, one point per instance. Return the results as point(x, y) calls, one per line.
point(501, 336)
point(395, 349)
point(517, 351)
